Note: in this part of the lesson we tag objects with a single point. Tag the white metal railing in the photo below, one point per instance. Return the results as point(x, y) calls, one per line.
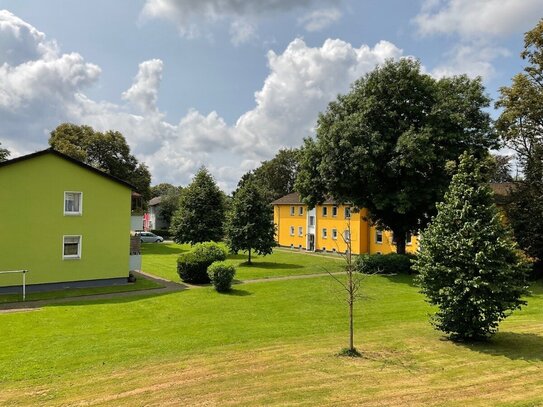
point(24, 278)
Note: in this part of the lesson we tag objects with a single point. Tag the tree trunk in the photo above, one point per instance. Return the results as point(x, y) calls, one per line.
point(249, 261)
point(351, 322)
point(400, 242)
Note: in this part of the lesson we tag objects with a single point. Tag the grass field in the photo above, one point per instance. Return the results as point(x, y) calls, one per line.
point(271, 343)
point(161, 260)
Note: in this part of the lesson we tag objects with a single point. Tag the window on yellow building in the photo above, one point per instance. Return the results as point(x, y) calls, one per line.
point(311, 221)
point(292, 211)
point(300, 231)
point(324, 233)
point(301, 210)
point(292, 230)
point(324, 211)
point(334, 234)
point(408, 237)
point(347, 213)
point(334, 211)
point(378, 236)
point(347, 235)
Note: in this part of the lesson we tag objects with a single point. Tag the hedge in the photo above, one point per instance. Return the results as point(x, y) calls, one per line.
point(391, 263)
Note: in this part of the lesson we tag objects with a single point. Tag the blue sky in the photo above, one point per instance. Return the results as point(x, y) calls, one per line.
point(225, 83)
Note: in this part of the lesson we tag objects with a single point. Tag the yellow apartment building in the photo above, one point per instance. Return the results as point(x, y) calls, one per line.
point(326, 228)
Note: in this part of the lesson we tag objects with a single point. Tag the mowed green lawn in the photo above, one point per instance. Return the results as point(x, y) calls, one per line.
point(160, 259)
point(267, 343)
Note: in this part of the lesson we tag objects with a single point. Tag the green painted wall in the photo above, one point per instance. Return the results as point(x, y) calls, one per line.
point(33, 222)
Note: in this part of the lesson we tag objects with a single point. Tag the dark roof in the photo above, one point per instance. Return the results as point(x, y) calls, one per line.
point(155, 201)
point(294, 199)
point(70, 159)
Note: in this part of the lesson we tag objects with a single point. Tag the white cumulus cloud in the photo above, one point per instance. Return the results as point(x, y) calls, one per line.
point(469, 18)
point(48, 88)
point(191, 15)
point(144, 91)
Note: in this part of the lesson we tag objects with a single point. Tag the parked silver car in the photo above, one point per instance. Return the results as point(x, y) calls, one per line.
point(148, 237)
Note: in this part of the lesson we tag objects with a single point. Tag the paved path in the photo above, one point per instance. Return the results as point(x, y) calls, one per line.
point(169, 287)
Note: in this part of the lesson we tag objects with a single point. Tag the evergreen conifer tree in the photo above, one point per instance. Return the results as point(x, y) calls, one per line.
point(468, 262)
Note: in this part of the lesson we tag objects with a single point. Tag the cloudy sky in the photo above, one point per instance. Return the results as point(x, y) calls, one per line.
point(226, 83)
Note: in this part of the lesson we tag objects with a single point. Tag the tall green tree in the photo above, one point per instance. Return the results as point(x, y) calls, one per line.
point(386, 143)
point(201, 212)
point(520, 126)
point(4, 153)
point(500, 169)
point(161, 189)
point(468, 261)
point(276, 177)
point(107, 151)
point(169, 203)
point(250, 224)
point(525, 209)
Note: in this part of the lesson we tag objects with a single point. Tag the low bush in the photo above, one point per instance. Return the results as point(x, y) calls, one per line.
point(221, 275)
point(391, 263)
point(192, 265)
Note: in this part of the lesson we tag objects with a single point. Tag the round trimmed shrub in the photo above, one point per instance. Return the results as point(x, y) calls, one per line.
point(209, 251)
point(192, 265)
point(192, 268)
point(221, 275)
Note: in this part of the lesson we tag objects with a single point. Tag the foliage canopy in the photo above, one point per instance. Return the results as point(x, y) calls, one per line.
point(385, 145)
point(468, 262)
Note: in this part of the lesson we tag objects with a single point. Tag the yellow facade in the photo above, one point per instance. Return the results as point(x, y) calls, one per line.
point(329, 224)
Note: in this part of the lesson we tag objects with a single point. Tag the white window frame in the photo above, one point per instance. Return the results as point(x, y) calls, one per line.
point(334, 211)
point(324, 233)
point(301, 211)
point(324, 211)
point(347, 235)
point(292, 230)
point(80, 204)
point(378, 233)
point(408, 238)
point(347, 212)
point(292, 211)
point(300, 230)
point(311, 220)
point(334, 234)
point(79, 248)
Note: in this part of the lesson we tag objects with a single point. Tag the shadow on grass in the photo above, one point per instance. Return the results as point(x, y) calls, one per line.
point(401, 279)
point(268, 265)
point(234, 292)
point(160, 249)
point(512, 345)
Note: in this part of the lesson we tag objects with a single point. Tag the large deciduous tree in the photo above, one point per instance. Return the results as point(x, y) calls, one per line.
point(276, 177)
point(107, 151)
point(468, 262)
point(250, 224)
point(386, 143)
point(4, 153)
point(520, 126)
point(201, 212)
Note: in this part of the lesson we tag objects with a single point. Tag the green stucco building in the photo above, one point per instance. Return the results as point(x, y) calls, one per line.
point(65, 222)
